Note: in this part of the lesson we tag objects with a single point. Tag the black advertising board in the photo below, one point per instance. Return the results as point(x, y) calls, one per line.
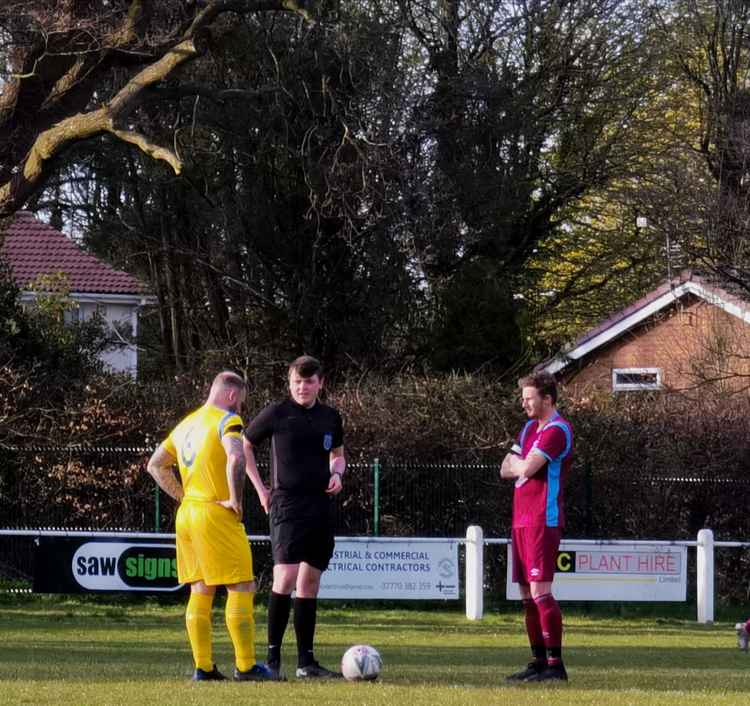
point(104, 565)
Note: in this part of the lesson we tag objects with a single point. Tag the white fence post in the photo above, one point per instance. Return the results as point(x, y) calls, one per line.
point(705, 571)
point(474, 572)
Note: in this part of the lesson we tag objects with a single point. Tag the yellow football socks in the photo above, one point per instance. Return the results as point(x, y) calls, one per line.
point(241, 626)
point(198, 621)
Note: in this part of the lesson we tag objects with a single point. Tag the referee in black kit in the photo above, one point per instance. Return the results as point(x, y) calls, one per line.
point(307, 466)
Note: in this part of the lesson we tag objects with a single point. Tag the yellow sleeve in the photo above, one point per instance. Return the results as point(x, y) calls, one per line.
point(169, 445)
point(230, 425)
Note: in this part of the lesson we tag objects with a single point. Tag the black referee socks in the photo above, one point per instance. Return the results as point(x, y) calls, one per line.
point(279, 606)
point(305, 614)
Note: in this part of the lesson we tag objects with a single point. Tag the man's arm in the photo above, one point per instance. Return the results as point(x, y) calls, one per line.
point(251, 468)
point(262, 426)
point(525, 467)
point(161, 468)
point(235, 473)
point(337, 464)
point(550, 445)
point(505, 469)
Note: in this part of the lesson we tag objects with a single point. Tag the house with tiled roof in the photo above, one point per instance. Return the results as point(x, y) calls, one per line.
point(34, 249)
point(691, 330)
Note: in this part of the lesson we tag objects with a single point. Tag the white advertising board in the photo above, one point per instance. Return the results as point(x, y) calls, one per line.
point(392, 570)
point(622, 572)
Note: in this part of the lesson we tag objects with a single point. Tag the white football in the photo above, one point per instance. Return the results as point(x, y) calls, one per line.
point(361, 663)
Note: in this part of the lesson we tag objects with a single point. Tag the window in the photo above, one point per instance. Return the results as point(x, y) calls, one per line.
point(72, 315)
point(636, 379)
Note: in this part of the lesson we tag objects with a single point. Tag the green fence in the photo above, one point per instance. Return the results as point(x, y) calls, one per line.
point(107, 488)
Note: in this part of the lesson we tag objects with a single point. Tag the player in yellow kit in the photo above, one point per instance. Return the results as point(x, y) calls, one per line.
point(212, 547)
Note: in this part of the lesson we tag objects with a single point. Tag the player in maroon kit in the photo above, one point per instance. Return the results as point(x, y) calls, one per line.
point(539, 464)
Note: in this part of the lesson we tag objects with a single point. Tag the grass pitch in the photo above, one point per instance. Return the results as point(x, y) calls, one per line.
point(81, 653)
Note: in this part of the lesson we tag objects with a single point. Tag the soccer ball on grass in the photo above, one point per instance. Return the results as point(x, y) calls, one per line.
point(361, 663)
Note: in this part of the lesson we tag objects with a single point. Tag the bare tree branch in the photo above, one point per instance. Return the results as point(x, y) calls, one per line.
point(151, 149)
point(57, 114)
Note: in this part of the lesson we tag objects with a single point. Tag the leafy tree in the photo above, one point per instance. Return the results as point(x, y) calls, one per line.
point(44, 365)
point(279, 234)
point(377, 187)
point(531, 110)
point(709, 58)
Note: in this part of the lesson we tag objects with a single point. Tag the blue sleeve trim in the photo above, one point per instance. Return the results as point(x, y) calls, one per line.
point(568, 438)
point(223, 423)
point(553, 493)
point(554, 476)
point(525, 431)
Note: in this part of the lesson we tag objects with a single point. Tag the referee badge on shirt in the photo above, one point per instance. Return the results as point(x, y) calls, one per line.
point(327, 441)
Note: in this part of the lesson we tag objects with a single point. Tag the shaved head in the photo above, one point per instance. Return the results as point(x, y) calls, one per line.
point(227, 378)
point(228, 391)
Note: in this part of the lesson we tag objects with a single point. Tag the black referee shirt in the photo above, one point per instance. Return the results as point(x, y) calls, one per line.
point(301, 441)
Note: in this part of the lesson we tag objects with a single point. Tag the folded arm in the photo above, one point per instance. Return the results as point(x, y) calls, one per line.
point(515, 467)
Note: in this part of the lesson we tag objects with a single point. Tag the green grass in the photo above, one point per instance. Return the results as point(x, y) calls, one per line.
point(76, 653)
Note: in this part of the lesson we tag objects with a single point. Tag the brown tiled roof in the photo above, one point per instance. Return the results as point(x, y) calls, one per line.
point(720, 289)
point(627, 311)
point(33, 248)
point(714, 288)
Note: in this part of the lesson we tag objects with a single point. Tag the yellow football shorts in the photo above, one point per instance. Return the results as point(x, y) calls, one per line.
point(212, 545)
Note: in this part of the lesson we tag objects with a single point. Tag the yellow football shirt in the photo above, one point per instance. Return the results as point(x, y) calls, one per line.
point(196, 443)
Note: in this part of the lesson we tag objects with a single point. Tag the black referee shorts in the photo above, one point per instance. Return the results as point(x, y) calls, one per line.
point(302, 529)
